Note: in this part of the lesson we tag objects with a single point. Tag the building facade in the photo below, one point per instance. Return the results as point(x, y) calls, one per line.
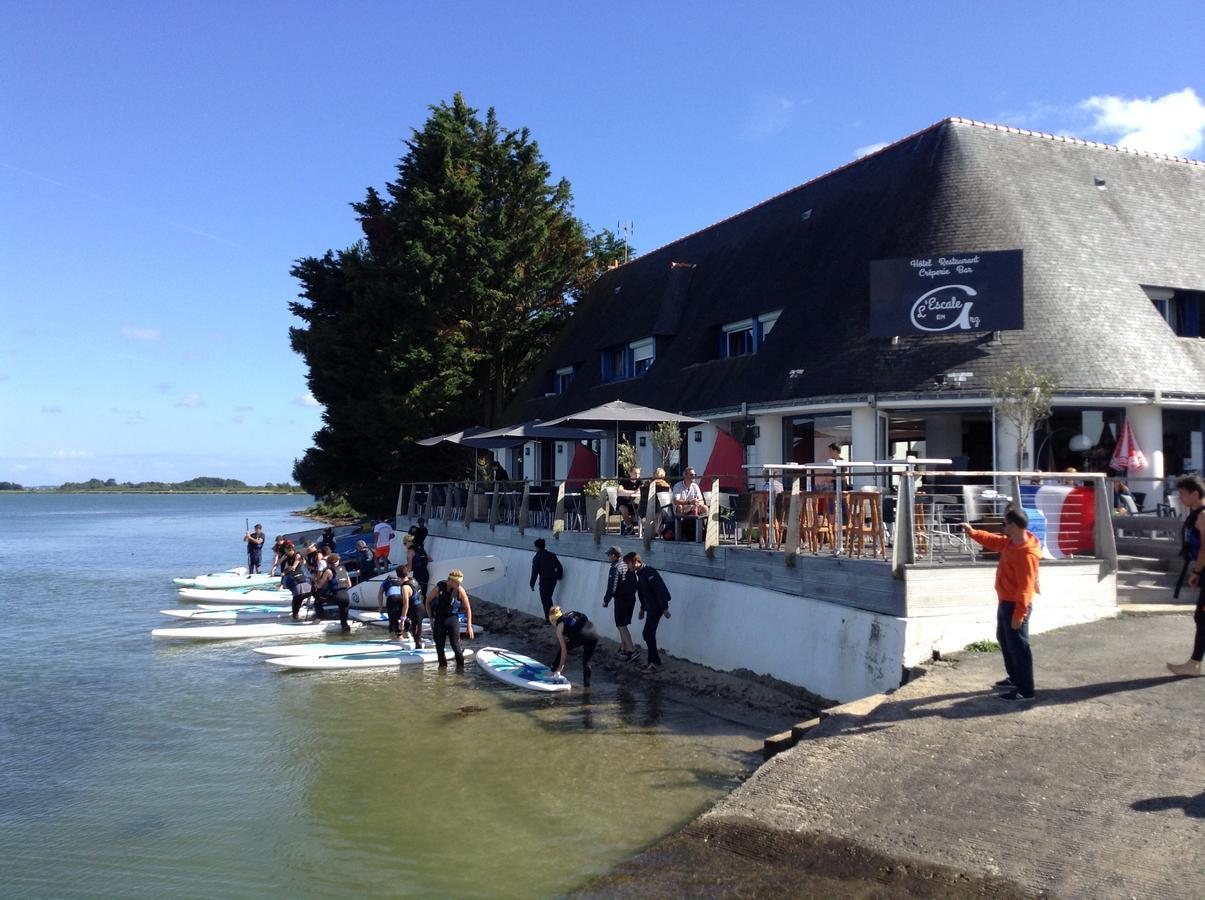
point(871, 307)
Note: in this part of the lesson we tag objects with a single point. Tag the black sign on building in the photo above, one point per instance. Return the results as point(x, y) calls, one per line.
point(947, 293)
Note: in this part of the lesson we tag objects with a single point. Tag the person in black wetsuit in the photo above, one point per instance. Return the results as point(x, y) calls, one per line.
point(546, 567)
point(654, 603)
point(621, 587)
point(573, 629)
point(445, 603)
point(255, 548)
point(331, 587)
point(296, 579)
point(365, 562)
point(418, 531)
point(393, 598)
point(1192, 495)
point(417, 561)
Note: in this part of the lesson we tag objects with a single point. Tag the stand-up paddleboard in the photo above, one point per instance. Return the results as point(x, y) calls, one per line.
point(241, 597)
point(381, 620)
point(250, 630)
point(390, 660)
point(229, 581)
point(189, 582)
point(478, 572)
point(241, 613)
point(520, 671)
point(333, 648)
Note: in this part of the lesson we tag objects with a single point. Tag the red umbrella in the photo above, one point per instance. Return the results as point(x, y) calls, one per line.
point(1127, 454)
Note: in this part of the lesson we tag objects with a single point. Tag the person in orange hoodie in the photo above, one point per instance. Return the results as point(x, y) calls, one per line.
point(1016, 585)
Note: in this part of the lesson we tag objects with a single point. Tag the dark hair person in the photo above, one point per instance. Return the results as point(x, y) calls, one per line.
point(1192, 548)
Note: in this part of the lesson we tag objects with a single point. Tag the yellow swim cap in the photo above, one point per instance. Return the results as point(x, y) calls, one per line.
point(555, 615)
point(456, 575)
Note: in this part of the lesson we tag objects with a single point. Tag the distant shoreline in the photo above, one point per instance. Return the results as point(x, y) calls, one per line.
point(260, 491)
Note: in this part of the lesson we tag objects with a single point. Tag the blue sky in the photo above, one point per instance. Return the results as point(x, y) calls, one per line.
point(162, 165)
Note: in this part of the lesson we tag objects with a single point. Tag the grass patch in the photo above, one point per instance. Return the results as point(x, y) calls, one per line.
point(983, 647)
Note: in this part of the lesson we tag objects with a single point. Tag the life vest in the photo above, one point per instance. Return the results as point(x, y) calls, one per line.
point(573, 623)
point(393, 586)
point(1190, 541)
point(447, 602)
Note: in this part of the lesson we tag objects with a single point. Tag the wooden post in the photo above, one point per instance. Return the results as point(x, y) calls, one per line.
point(523, 507)
point(495, 503)
point(1015, 490)
point(1105, 539)
point(401, 490)
point(429, 506)
point(649, 523)
point(448, 494)
point(470, 504)
point(600, 516)
point(903, 550)
point(711, 537)
point(838, 511)
point(558, 516)
point(412, 508)
point(791, 548)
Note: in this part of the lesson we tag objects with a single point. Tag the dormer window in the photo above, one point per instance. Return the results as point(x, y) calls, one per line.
point(746, 336)
point(628, 360)
point(1180, 309)
point(562, 378)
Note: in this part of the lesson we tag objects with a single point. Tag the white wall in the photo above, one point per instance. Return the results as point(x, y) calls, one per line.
point(769, 439)
point(863, 435)
point(835, 651)
point(700, 452)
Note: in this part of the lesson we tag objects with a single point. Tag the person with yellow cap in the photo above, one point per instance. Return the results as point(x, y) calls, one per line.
point(446, 601)
point(573, 629)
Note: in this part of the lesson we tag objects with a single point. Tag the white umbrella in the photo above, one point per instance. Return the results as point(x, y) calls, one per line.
point(616, 412)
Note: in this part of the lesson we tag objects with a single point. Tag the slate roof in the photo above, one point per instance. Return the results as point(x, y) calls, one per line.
point(956, 186)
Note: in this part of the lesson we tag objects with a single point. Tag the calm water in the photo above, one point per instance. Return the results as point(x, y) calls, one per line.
point(145, 768)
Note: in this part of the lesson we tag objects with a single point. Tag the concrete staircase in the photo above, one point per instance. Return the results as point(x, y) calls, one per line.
point(1146, 577)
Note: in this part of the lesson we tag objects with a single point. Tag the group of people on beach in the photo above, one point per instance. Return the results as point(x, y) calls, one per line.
point(630, 581)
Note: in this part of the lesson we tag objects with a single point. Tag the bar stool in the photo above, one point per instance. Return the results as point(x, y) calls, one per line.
point(815, 522)
point(865, 521)
point(766, 518)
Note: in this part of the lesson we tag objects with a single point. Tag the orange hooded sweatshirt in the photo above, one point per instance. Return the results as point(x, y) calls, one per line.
point(1017, 574)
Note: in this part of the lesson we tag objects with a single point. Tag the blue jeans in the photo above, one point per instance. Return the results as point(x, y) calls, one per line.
point(1014, 644)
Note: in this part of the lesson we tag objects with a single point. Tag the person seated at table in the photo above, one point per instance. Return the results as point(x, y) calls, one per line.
point(497, 472)
point(1123, 499)
point(688, 496)
point(632, 495)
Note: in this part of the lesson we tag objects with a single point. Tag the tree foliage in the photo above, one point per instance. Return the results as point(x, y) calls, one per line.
point(470, 261)
point(666, 438)
point(1023, 396)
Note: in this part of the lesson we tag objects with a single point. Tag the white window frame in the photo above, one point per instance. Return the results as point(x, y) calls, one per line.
point(767, 321)
point(645, 349)
point(561, 373)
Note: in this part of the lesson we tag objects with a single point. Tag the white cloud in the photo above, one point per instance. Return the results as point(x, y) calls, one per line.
point(868, 149)
point(53, 410)
point(139, 334)
point(769, 117)
point(1173, 123)
point(306, 399)
point(190, 401)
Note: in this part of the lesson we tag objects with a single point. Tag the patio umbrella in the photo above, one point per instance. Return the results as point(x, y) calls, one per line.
point(1127, 454)
point(478, 436)
point(537, 431)
point(618, 412)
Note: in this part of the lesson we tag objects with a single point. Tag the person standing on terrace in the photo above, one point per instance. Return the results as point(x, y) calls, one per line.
point(1016, 586)
point(1192, 495)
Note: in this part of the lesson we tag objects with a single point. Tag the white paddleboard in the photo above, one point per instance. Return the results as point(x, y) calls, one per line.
point(250, 630)
point(391, 660)
point(229, 581)
point(189, 582)
point(240, 597)
point(332, 648)
point(520, 671)
point(381, 620)
point(242, 613)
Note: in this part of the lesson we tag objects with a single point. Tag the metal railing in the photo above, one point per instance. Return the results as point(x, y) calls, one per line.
point(902, 512)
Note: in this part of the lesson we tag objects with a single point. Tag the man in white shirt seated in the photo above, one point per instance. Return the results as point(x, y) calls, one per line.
point(688, 496)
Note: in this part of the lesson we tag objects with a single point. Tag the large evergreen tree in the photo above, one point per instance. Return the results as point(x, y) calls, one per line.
point(470, 262)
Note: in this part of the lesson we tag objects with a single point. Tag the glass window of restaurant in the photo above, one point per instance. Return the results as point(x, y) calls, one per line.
point(806, 438)
point(1182, 433)
point(964, 436)
point(1080, 438)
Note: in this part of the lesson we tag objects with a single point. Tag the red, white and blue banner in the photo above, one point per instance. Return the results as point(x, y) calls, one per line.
point(1070, 517)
